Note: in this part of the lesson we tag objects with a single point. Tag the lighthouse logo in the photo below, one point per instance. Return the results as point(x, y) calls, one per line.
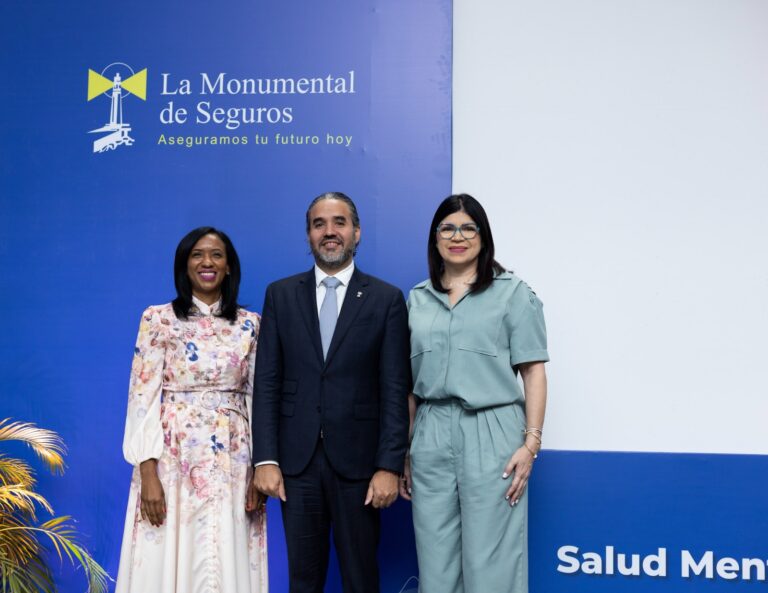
point(116, 82)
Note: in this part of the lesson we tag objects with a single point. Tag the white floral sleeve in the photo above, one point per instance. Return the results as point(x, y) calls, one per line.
point(143, 431)
point(255, 321)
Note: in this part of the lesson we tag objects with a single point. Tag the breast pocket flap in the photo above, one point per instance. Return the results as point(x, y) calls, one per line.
point(487, 349)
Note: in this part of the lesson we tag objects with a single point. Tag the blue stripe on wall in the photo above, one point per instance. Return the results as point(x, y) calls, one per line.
point(639, 503)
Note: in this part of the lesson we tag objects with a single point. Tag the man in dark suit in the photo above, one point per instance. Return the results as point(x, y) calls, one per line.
point(330, 412)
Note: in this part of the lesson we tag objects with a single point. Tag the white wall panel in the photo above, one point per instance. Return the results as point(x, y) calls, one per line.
point(621, 149)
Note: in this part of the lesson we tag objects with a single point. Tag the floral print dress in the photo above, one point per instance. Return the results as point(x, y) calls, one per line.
point(189, 407)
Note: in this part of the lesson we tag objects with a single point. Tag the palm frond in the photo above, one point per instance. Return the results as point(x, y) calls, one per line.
point(17, 542)
point(25, 544)
point(34, 577)
point(45, 443)
point(16, 497)
point(61, 533)
point(39, 572)
point(15, 471)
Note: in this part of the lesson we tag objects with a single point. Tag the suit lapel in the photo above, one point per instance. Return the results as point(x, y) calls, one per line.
point(306, 296)
point(353, 301)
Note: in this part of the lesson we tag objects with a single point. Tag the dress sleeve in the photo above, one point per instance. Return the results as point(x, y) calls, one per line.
point(143, 431)
point(255, 319)
point(528, 332)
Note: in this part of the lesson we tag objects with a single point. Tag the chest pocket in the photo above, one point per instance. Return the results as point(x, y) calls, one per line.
point(420, 321)
point(481, 335)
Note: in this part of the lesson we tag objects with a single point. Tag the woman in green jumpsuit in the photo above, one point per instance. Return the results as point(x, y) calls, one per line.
point(475, 433)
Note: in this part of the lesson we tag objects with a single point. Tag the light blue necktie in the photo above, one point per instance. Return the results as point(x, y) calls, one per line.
point(329, 312)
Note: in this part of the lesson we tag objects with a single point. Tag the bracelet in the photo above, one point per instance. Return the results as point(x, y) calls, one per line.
point(530, 434)
point(530, 451)
point(534, 432)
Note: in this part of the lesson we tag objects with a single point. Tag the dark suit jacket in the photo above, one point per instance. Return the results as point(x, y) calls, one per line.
point(357, 396)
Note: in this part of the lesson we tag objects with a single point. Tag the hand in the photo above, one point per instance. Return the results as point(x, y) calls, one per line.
point(382, 491)
point(519, 467)
point(406, 485)
point(152, 494)
point(268, 479)
point(254, 500)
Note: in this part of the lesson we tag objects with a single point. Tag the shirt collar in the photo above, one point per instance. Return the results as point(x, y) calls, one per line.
point(428, 283)
point(344, 276)
point(204, 309)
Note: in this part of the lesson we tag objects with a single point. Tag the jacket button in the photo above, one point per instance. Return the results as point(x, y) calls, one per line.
point(318, 409)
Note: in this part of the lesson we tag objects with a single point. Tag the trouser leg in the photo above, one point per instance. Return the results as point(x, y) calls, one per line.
point(494, 545)
point(355, 532)
point(307, 528)
point(436, 513)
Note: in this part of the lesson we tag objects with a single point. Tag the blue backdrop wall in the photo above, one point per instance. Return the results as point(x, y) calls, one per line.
point(87, 238)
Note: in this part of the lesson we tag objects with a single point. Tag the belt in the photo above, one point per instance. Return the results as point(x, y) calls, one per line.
point(210, 399)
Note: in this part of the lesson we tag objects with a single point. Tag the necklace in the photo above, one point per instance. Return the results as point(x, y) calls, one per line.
point(449, 284)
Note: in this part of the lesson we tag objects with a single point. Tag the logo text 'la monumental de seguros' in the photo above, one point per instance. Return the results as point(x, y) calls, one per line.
point(116, 82)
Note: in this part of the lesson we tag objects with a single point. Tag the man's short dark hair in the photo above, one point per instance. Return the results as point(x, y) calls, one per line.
point(336, 195)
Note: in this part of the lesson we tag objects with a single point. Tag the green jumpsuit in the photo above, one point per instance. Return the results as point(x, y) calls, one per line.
point(469, 421)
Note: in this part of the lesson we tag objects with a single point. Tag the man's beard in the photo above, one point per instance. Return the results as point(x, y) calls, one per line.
point(335, 261)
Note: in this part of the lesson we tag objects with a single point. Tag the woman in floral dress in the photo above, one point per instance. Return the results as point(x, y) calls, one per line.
point(189, 528)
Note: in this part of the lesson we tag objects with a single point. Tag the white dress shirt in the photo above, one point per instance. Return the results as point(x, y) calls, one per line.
point(341, 290)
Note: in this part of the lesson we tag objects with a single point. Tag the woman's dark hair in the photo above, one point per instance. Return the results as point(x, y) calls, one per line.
point(487, 267)
point(229, 288)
